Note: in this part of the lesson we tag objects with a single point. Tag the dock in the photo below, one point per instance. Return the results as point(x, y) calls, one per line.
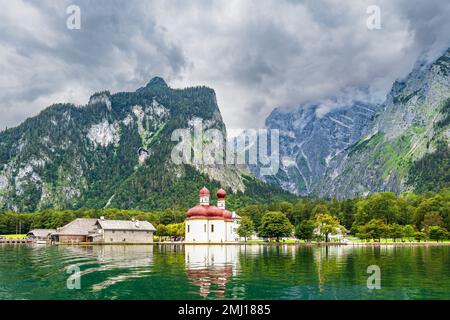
point(16, 241)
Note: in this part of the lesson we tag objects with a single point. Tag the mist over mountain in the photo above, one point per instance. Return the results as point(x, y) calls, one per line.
point(400, 145)
point(115, 151)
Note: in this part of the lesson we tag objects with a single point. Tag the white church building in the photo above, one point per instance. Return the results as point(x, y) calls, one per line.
point(206, 223)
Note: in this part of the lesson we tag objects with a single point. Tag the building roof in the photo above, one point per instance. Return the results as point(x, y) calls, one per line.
point(126, 225)
point(208, 212)
point(78, 227)
point(236, 216)
point(221, 194)
point(41, 233)
point(203, 211)
point(204, 192)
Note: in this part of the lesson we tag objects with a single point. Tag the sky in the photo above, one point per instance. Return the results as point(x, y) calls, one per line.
point(256, 55)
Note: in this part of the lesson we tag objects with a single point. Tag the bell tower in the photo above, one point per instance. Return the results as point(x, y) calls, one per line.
point(204, 196)
point(221, 195)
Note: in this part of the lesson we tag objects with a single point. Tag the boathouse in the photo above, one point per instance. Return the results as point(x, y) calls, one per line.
point(105, 231)
point(40, 234)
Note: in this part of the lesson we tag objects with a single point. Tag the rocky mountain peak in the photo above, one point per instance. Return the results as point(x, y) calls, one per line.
point(157, 82)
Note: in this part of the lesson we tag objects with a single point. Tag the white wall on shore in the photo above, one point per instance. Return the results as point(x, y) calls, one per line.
point(201, 231)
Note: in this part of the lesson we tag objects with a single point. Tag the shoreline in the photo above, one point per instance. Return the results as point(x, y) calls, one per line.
point(320, 244)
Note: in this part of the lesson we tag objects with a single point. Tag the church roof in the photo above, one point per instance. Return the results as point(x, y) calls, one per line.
point(207, 211)
point(204, 192)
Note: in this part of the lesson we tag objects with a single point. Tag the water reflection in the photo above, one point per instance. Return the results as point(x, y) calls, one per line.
point(211, 267)
point(121, 263)
point(227, 271)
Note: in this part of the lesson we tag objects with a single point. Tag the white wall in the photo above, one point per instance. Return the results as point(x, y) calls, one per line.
point(224, 231)
point(197, 256)
point(195, 230)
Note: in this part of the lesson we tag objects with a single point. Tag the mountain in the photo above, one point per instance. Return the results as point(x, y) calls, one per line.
point(309, 140)
point(412, 126)
point(116, 152)
point(400, 145)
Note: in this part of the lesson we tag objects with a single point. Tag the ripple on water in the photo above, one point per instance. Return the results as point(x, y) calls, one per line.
point(216, 272)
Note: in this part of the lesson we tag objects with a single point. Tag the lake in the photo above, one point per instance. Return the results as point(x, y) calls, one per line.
point(222, 272)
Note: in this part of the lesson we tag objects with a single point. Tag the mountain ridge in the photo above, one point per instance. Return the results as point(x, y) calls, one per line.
point(115, 152)
point(384, 153)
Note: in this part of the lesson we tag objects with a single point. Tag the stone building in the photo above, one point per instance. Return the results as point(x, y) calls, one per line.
point(40, 234)
point(105, 231)
point(79, 230)
point(122, 231)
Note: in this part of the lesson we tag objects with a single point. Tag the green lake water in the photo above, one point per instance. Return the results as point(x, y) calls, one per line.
point(217, 272)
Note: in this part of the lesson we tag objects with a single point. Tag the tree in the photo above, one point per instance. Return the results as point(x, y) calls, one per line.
point(176, 229)
point(320, 209)
point(395, 231)
point(305, 230)
point(383, 206)
point(327, 224)
point(255, 212)
point(275, 225)
point(420, 236)
point(437, 233)
point(432, 219)
point(374, 229)
point(246, 228)
point(347, 212)
point(161, 231)
point(361, 232)
point(408, 231)
point(430, 207)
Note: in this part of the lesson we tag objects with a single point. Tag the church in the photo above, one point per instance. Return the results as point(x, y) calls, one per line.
point(207, 223)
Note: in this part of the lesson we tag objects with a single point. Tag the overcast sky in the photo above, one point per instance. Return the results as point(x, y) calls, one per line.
point(257, 55)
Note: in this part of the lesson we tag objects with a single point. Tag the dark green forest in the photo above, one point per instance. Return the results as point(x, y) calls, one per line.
point(416, 215)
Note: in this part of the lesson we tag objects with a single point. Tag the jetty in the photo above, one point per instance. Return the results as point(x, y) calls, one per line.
point(15, 241)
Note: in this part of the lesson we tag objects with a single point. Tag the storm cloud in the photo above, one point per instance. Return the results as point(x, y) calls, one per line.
point(257, 55)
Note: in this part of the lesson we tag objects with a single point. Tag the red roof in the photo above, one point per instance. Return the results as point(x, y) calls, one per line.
point(204, 192)
point(209, 212)
point(198, 211)
point(227, 215)
point(221, 194)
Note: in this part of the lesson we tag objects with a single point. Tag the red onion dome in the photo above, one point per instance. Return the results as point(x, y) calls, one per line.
point(204, 192)
point(221, 194)
point(197, 211)
point(214, 212)
point(227, 215)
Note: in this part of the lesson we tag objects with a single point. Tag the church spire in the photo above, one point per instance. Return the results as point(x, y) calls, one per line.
point(204, 196)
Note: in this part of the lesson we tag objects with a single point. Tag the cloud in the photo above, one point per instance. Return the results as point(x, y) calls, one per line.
point(257, 55)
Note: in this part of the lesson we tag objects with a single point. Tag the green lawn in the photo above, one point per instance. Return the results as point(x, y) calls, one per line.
point(351, 240)
point(405, 240)
point(13, 236)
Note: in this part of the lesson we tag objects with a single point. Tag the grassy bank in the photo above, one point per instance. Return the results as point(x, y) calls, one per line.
point(13, 236)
